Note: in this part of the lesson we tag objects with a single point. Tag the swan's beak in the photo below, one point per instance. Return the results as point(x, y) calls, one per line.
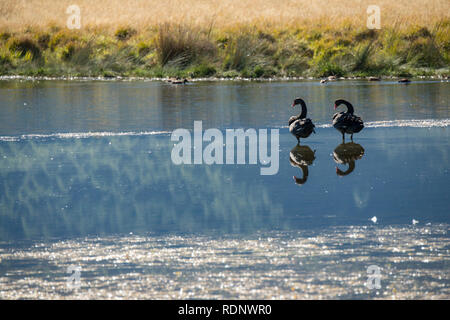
point(293, 105)
point(335, 106)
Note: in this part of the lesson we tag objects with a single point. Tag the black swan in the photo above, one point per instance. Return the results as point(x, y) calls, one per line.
point(346, 122)
point(300, 126)
point(301, 157)
point(347, 153)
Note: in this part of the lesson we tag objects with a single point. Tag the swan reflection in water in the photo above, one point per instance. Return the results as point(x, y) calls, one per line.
point(301, 157)
point(347, 153)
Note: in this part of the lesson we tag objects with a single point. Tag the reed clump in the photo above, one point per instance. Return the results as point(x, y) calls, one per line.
point(179, 45)
point(24, 47)
point(125, 33)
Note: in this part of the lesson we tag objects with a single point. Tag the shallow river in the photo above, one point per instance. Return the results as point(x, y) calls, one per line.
point(93, 206)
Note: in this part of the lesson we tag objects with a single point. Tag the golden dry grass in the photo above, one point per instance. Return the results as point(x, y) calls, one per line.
point(274, 14)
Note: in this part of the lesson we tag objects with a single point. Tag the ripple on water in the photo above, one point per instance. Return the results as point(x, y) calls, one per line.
point(331, 263)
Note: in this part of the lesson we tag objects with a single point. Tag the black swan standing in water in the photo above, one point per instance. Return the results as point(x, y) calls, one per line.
point(301, 157)
point(300, 126)
point(346, 122)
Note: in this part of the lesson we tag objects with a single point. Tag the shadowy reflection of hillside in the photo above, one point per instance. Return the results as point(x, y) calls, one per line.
point(75, 187)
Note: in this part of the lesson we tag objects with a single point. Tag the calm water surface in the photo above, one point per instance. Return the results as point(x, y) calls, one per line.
point(86, 179)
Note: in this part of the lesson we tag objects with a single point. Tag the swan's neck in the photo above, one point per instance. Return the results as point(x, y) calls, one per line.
point(351, 167)
point(349, 107)
point(302, 180)
point(302, 115)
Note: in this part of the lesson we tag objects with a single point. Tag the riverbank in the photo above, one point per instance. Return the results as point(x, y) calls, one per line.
point(224, 39)
point(439, 77)
point(180, 51)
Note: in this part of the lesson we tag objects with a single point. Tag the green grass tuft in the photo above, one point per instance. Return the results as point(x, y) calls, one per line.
point(125, 33)
point(24, 47)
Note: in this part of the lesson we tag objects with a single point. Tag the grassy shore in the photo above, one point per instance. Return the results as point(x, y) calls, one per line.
point(227, 38)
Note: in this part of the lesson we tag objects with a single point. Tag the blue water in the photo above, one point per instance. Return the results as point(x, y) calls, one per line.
point(65, 187)
point(92, 160)
point(42, 107)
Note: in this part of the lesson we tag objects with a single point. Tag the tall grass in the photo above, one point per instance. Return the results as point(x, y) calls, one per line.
point(142, 14)
point(227, 38)
point(179, 45)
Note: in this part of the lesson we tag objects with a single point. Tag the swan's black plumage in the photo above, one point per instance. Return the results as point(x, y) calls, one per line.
point(300, 126)
point(302, 157)
point(347, 153)
point(347, 122)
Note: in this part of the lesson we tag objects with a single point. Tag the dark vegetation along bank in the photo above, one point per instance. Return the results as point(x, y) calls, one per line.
point(179, 50)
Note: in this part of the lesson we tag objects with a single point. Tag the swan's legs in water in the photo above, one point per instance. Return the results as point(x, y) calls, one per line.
point(343, 137)
point(351, 137)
